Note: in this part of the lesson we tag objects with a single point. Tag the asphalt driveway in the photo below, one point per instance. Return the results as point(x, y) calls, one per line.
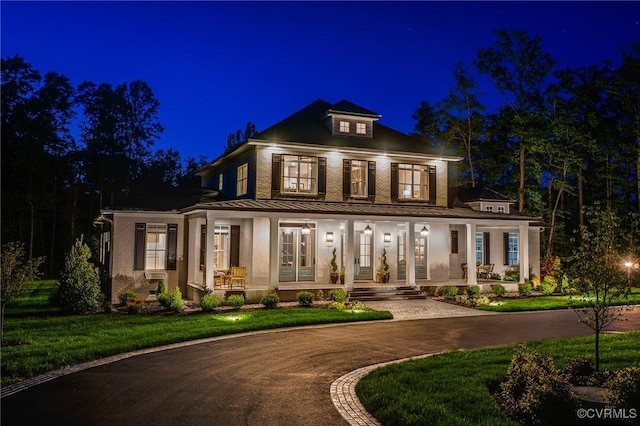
point(277, 378)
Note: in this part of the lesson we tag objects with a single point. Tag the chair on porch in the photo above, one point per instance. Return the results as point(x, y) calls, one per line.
point(239, 275)
point(486, 271)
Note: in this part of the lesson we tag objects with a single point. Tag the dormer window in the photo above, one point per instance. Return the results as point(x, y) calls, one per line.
point(361, 128)
point(344, 126)
point(500, 209)
point(488, 208)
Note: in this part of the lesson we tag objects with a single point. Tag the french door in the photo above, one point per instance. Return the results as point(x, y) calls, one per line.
point(420, 256)
point(297, 255)
point(363, 256)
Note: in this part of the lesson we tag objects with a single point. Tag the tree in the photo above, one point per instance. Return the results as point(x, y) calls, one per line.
point(519, 68)
point(595, 270)
point(239, 137)
point(16, 275)
point(79, 289)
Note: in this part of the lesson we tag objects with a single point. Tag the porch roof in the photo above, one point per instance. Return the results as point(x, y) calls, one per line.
point(358, 209)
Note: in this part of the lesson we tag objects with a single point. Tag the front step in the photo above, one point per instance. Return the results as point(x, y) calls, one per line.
point(364, 294)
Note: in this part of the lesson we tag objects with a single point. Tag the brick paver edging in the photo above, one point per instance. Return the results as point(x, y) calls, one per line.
point(345, 399)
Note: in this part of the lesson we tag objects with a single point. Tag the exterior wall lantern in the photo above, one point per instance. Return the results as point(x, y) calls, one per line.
point(329, 238)
point(368, 230)
point(387, 238)
point(305, 229)
point(424, 231)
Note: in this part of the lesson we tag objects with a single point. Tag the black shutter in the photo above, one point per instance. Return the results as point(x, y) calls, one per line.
point(276, 174)
point(394, 181)
point(203, 246)
point(432, 184)
point(172, 246)
point(505, 244)
point(322, 176)
point(346, 179)
point(371, 180)
point(487, 248)
point(454, 242)
point(140, 242)
point(234, 246)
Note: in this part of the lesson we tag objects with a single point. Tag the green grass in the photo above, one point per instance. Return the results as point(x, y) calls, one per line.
point(540, 303)
point(42, 339)
point(453, 388)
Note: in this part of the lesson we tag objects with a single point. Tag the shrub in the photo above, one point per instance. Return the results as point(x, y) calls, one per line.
point(498, 290)
point(164, 299)
point(270, 300)
point(126, 295)
point(462, 299)
point(623, 389)
point(160, 287)
point(176, 300)
point(340, 306)
point(338, 295)
point(449, 291)
point(305, 298)
point(79, 289)
point(524, 289)
point(135, 305)
point(358, 306)
point(320, 295)
point(209, 302)
point(578, 370)
point(235, 301)
point(473, 291)
point(549, 285)
point(480, 301)
point(534, 391)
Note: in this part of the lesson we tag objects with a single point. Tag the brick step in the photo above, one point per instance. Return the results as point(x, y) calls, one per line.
point(385, 293)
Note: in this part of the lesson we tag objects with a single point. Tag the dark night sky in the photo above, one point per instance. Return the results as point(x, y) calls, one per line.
point(216, 65)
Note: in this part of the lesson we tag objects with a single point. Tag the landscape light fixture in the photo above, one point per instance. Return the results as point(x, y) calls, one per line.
point(368, 230)
point(424, 231)
point(305, 229)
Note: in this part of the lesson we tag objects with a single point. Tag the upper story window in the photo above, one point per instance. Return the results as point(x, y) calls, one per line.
point(359, 178)
point(414, 181)
point(242, 179)
point(488, 208)
point(299, 174)
point(361, 128)
point(501, 209)
point(344, 126)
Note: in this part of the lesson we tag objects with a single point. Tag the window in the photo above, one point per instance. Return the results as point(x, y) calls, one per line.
point(454, 242)
point(299, 174)
point(156, 246)
point(221, 247)
point(500, 209)
point(359, 178)
point(242, 179)
point(220, 181)
point(512, 249)
point(413, 181)
point(344, 126)
point(361, 128)
point(479, 248)
point(488, 208)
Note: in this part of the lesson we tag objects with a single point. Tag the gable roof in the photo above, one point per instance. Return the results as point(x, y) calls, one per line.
point(308, 125)
point(167, 199)
point(462, 195)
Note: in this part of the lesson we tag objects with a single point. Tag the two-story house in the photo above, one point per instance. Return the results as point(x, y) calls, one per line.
point(330, 176)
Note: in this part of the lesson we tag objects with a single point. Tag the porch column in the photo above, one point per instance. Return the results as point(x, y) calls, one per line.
point(523, 247)
point(274, 252)
point(209, 264)
point(472, 279)
point(349, 256)
point(411, 254)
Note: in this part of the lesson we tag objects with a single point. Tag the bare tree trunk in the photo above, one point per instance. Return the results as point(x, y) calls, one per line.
point(638, 174)
point(522, 177)
point(32, 232)
point(580, 196)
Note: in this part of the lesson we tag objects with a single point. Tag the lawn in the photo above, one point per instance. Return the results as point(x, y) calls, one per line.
point(38, 338)
point(453, 388)
point(539, 303)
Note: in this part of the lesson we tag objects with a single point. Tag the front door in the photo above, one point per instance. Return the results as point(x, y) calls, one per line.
point(363, 254)
point(421, 257)
point(402, 256)
point(297, 255)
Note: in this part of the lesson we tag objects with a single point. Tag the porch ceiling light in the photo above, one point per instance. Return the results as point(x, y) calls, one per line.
point(329, 237)
point(424, 231)
point(305, 229)
point(368, 230)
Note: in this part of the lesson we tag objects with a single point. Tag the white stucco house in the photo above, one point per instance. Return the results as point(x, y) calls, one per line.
point(329, 176)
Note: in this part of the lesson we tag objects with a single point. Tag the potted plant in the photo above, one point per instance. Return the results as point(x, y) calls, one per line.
point(342, 276)
point(384, 267)
point(334, 268)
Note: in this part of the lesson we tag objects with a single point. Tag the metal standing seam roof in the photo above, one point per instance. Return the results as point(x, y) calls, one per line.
point(359, 209)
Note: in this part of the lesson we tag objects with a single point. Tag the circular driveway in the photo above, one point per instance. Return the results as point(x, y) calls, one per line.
point(275, 378)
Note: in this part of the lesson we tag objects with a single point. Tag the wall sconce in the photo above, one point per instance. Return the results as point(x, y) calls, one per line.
point(305, 229)
point(368, 230)
point(387, 238)
point(424, 231)
point(329, 238)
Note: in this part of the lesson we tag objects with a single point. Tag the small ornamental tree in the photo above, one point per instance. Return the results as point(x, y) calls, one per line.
point(594, 269)
point(79, 289)
point(16, 275)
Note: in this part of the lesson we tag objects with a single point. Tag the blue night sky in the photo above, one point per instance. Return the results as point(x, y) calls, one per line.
point(216, 65)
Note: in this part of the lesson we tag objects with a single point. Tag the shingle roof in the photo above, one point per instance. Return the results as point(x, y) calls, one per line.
point(478, 193)
point(153, 198)
point(358, 209)
point(308, 126)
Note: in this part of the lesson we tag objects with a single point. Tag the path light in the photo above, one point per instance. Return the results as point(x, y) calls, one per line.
point(368, 230)
point(424, 231)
